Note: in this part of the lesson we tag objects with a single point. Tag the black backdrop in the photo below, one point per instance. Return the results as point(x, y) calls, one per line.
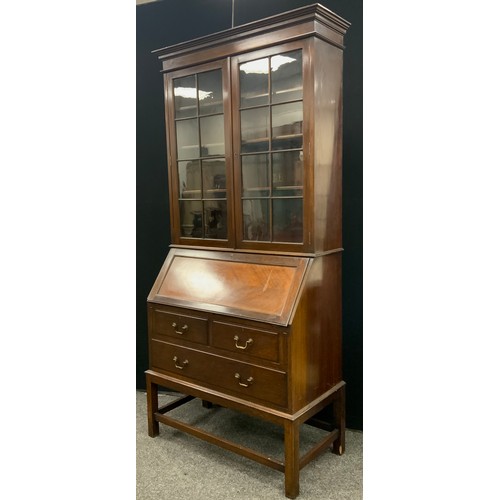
point(168, 22)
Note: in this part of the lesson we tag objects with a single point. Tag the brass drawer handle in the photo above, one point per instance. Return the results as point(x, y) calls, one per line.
point(249, 380)
point(184, 329)
point(184, 363)
point(247, 343)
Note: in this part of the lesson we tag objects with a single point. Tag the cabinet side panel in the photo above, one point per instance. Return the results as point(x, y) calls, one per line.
point(327, 146)
point(316, 336)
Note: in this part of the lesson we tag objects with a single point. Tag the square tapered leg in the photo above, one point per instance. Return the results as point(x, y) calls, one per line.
point(152, 398)
point(292, 459)
point(339, 421)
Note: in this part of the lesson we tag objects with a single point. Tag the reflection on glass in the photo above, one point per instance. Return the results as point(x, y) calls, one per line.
point(191, 219)
point(287, 173)
point(256, 220)
point(189, 179)
point(212, 135)
point(255, 177)
point(214, 178)
point(254, 83)
point(188, 144)
point(185, 97)
point(215, 219)
point(286, 76)
point(210, 92)
point(287, 220)
point(255, 130)
point(287, 126)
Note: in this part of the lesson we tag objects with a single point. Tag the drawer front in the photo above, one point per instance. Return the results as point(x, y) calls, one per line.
point(242, 378)
point(179, 326)
point(244, 340)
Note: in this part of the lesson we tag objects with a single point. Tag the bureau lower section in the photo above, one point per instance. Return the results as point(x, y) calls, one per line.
point(249, 366)
point(241, 358)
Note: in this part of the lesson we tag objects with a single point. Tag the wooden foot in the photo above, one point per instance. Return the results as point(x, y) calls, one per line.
point(291, 459)
point(152, 393)
point(339, 421)
point(207, 404)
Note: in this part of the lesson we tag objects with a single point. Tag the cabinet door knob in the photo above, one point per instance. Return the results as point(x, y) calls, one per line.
point(184, 363)
point(247, 343)
point(184, 329)
point(249, 380)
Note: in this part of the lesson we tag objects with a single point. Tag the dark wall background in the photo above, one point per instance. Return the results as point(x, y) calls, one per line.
point(168, 22)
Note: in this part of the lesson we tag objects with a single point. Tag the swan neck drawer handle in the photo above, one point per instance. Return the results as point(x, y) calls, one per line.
point(184, 329)
point(184, 363)
point(249, 380)
point(247, 343)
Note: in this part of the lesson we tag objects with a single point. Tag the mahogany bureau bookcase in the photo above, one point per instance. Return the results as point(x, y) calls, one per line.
point(246, 310)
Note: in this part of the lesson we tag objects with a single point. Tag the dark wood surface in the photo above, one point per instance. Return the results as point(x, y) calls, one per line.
point(253, 286)
point(286, 27)
point(257, 330)
point(322, 87)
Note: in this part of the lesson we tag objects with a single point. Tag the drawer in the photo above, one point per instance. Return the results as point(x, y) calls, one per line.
point(179, 326)
point(241, 339)
point(234, 376)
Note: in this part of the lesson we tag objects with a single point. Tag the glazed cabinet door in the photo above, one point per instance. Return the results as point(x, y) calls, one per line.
point(199, 142)
point(271, 140)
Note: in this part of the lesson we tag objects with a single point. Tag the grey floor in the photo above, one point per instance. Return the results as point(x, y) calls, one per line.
point(175, 465)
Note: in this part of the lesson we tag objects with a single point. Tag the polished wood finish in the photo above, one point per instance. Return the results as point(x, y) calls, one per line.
point(255, 324)
point(327, 142)
point(235, 377)
point(312, 20)
point(239, 339)
point(187, 327)
point(253, 286)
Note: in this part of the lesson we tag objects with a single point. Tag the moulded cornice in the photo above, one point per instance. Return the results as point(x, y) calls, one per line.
point(315, 13)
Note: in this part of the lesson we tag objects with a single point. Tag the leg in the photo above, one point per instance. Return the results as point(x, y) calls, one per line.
point(152, 392)
point(291, 459)
point(207, 404)
point(339, 421)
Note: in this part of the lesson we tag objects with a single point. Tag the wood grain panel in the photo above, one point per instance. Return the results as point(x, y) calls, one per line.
point(252, 286)
point(255, 343)
point(183, 327)
point(253, 381)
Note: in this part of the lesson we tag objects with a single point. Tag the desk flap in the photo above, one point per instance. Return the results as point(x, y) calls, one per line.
point(253, 286)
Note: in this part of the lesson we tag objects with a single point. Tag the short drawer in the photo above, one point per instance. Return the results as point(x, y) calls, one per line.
point(179, 326)
point(237, 338)
point(238, 377)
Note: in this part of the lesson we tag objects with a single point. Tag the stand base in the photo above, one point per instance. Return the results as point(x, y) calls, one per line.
point(292, 463)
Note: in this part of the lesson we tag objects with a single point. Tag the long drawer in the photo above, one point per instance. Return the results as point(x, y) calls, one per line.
point(236, 376)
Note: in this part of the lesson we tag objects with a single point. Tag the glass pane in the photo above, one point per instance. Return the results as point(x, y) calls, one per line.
point(215, 219)
point(255, 130)
point(210, 92)
point(256, 220)
point(287, 220)
point(185, 97)
point(191, 219)
point(287, 126)
point(255, 175)
point(214, 178)
point(189, 179)
point(212, 135)
point(254, 83)
point(286, 76)
point(188, 143)
point(288, 173)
